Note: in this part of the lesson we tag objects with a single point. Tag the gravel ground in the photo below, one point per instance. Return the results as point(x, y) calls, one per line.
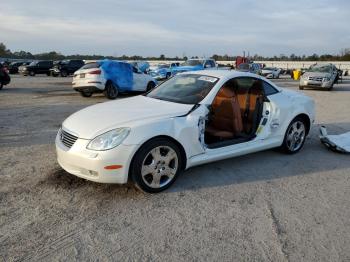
point(261, 207)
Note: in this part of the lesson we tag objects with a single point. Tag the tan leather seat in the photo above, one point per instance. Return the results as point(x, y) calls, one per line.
point(226, 121)
point(255, 95)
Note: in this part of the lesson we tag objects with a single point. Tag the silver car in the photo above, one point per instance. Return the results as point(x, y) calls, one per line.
point(319, 76)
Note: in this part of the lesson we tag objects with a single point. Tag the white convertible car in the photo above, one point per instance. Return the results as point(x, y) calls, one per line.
point(191, 119)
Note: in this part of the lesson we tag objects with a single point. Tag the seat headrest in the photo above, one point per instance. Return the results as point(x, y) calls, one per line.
point(226, 92)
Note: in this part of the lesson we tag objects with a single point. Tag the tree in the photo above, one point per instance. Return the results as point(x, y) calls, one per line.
point(4, 52)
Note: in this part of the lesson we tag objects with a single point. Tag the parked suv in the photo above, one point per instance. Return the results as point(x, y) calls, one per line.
point(66, 67)
point(319, 76)
point(13, 67)
point(36, 67)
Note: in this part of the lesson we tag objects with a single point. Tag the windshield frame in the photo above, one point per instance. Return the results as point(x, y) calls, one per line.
point(318, 67)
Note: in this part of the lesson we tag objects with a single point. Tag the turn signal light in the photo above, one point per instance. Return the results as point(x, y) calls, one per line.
point(112, 167)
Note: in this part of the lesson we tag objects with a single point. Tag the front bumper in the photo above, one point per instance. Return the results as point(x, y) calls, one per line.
point(90, 165)
point(311, 83)
point(88, 85)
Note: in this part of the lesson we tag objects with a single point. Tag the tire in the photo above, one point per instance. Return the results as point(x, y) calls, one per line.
point(48, 74)
point(168, 75)
point(150, 86)
point(331, 87)
point(31, 73)
point(301, 88)
point(64, 73)
point(1, 85)
point(156, 165)
point(85, 94)
point(295, 136)
point(111, 91)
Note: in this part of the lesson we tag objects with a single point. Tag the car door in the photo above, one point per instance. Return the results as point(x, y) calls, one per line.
point(39, 67)
point(263, 131)
point(139, 80)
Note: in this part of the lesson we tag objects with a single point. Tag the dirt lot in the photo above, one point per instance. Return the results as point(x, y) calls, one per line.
point(261, 207)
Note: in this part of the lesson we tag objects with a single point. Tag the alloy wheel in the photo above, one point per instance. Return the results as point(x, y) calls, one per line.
point(159, 167)
point(295, 136)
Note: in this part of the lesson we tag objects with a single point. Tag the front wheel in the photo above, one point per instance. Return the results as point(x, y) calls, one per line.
point(111, 91)
point(295, 136)
point(156, 165)
point(32, 73)
point(85, 94)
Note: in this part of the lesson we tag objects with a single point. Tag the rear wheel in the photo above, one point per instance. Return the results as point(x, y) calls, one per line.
point(150, 86)
point(295, 136)
point(64, 73)
point(156, 165)
point(85, 93)
point(111, 91)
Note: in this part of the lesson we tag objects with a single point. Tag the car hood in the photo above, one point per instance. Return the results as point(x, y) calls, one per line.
point(317, 74)
point(98, 119)
point(266, 71)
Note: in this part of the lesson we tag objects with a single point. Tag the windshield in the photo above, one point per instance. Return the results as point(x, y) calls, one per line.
point(184, 89)
point(321, 69)
point(90, 65)
point(33, 63)
point(243, 66)
point(193, 62)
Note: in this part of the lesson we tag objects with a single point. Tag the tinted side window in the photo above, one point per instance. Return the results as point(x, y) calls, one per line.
point(269, 89)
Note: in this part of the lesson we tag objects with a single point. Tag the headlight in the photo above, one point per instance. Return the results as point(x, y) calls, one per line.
point(109, 139)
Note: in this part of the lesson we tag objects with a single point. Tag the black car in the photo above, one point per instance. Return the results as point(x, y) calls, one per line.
point(66, 67)
point(13, 67)
point(37, 67)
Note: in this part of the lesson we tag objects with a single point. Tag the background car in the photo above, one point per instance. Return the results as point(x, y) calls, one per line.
point(13, 67)
point(111, 77)
point(250, 67)
point(36, 67)
point(191, 119)
point(162, 71)
point(195, 65)
point(319, 76)
point(271, 72)
point(66, 67)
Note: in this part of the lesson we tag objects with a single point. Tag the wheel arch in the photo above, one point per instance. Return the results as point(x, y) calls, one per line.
point(306, 119)
point(182, 150)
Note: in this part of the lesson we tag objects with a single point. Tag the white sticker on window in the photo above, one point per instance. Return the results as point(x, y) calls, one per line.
point(208, 79)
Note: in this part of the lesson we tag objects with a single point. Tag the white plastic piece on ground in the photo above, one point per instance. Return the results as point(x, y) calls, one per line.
point(340, 143)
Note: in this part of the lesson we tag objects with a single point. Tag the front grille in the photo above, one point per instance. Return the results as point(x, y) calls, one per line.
point(67, 139)
point(314, 78)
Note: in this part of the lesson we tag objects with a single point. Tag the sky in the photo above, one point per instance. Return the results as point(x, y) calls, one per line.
point(177, 27)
